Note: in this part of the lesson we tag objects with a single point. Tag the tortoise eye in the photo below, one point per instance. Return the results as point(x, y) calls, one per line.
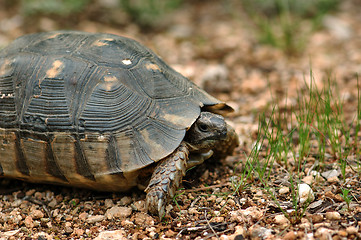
point(203, 127)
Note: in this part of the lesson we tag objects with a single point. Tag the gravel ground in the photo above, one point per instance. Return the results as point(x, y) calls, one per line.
point(216, 48)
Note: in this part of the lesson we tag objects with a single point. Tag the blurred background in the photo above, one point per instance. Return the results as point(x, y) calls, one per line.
point(250, 53)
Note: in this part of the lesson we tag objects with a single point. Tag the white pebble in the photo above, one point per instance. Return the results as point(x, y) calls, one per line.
point(284, 190)
point(305, 193)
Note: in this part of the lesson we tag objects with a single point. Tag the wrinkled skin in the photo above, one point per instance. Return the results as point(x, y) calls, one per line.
point(209, 133)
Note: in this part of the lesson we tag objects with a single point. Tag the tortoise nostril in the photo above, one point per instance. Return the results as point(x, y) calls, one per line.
point(223, 134)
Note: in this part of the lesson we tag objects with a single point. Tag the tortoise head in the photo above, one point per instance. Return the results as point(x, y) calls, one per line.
point(207, 131)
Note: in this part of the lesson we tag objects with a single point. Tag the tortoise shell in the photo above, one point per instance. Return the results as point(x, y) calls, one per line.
point(87, 109)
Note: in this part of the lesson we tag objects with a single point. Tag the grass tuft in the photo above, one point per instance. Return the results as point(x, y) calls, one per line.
point(149, 13)
point(286, 24)
point(58, 7)
point(304, 141)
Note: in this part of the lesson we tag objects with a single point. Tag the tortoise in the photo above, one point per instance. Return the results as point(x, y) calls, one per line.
point(103, 112)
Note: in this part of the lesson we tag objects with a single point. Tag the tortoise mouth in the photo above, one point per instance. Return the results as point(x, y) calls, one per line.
point(198, 158)
point(206, 155)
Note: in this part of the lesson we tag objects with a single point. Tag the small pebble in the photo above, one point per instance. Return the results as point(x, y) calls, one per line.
point(316, 218)
point(78, 232)
point(257, 232)
point(322, 224)
point(30, 192)
point(16, 203)
point(118, 212)
point(68, 229)
point(29, 223)
point(333, 216)
point(36, 223)
point(342, 233)
point(55, 212)
point(259, 193)
point(305, 193)
point(290, 236)
point(111, 235)
point(252, 212)
point(152, 234)
point(352, 230)
point(125, 200)
point(108, 203)
point(126, 222)
point(139, 206)
point(38, 195)
point(324, 233)
point(45, 220)
point(82, 216)
point(42, 236)
point(193, 210)
point(284, 190)
point(88, 205)
point(308, 179)
point(52, 203)
point(96, 218)
point(143, 219)
point(212, 198)
point(333, 179)
point(36, 214)
point(330, 174)
point(281, 219)
point(219, 200)
point(316, 204)
point(218, 219)
point(231, 202)
point(335, 197)
point(169, 233)
point(305, 225)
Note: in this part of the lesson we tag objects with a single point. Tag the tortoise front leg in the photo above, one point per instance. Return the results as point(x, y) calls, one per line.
point(166, 179)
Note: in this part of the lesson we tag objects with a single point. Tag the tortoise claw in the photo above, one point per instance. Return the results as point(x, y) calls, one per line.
point(154, 202)
point(161, 208)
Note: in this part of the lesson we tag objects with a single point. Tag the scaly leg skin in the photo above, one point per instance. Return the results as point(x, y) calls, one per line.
point(166, 179)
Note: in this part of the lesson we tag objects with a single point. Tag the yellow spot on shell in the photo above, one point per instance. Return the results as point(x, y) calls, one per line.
point(110, 79)
point(55, 69)
point(127, 61)
point(157, 151)
point(109, 82)
point(103, 42)
point(53, 35)
point(152, 66)
point(179, 120)
point(101, 138)
point(5, 68)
